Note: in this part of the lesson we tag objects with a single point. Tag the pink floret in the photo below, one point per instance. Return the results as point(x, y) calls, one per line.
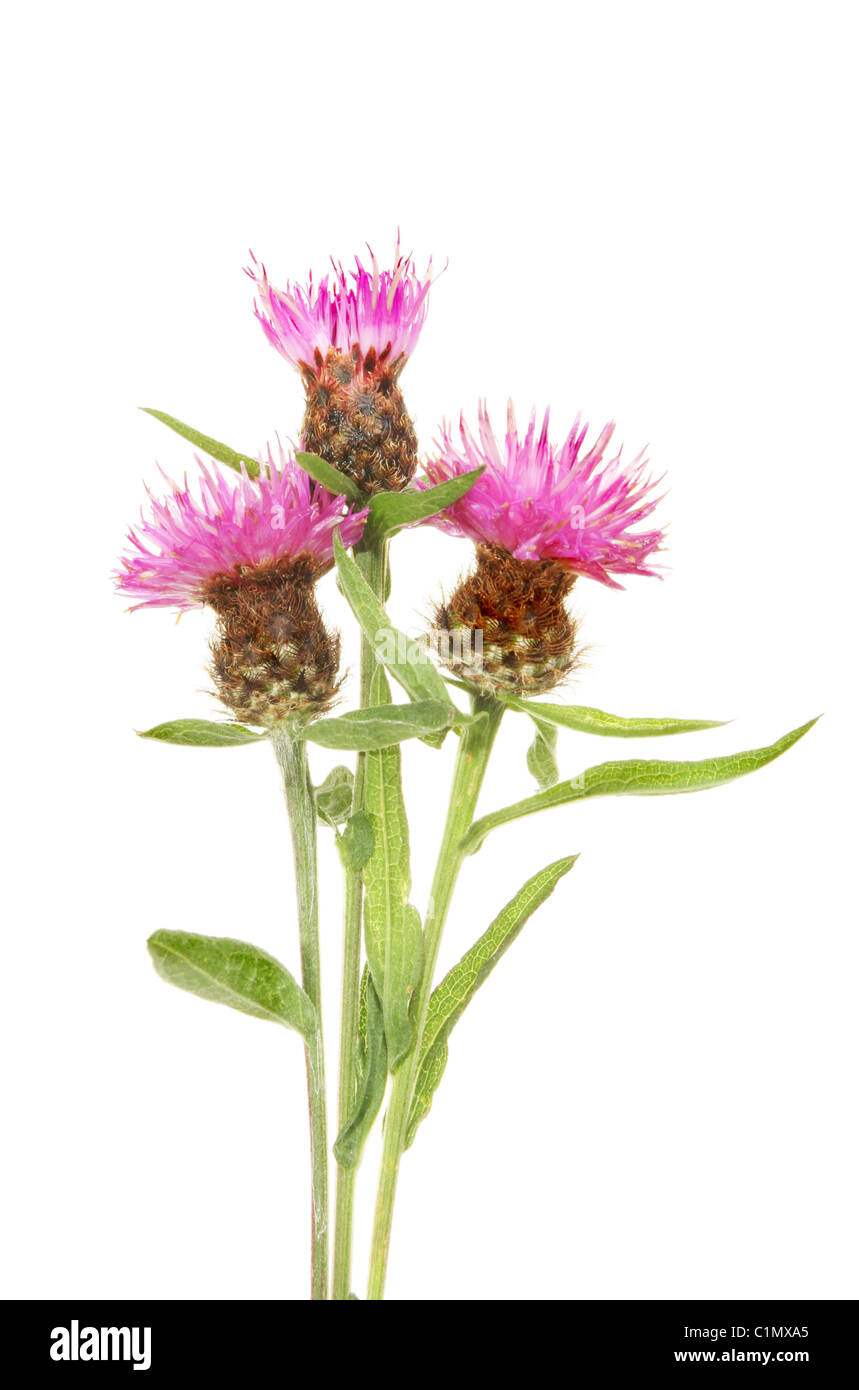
point(543, 502)
point(187, 539)
point(367, 308)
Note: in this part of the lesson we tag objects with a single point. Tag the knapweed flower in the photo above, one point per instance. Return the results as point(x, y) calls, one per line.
point(252, 550)
point(350, 337)
point(540, 515)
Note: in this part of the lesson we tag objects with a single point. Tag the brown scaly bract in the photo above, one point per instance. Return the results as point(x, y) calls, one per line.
point(356, 418)
point(272, 656)
point(528, 637)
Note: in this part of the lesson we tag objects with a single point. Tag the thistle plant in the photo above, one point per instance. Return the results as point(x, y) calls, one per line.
point(249, 539)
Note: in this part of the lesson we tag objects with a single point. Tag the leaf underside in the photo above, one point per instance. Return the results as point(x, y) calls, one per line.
point(202, 733)
point(234, 973)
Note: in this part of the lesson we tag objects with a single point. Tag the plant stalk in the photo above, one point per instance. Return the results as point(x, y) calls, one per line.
point(376, 573)
point(471, 763)
point(291, 754)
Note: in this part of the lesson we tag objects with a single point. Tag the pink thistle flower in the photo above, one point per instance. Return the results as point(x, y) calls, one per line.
point(541, 502)
point(234, 525)
point(378, 312)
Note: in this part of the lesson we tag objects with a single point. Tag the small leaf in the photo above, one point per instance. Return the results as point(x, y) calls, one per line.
point(542, 763)
point(459, 986)
point(596, 721)
point(392, 927)
point(408, 663)
point(638, 777)
point(390, 511)
point(233, 973)
point(372, 1077)
point(334, 796)
point(363, 729)
point(337, 483)
point(222, 452)
point(202, 733)
point(356, 842)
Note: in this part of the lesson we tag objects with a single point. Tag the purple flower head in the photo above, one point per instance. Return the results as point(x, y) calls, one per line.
point(235, 524)
point(379, 311)
point(541, 502)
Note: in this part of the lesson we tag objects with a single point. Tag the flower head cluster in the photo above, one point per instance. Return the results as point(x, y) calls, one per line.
point(235, 523)
point(378, 312)
point(542, 502)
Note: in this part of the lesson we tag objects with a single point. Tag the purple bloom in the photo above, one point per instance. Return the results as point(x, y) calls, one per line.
point(234, 525)
point(538, 501)
point(379, 312)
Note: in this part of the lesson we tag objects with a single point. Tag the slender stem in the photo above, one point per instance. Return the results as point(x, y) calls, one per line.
point(292, 756)
point(471, 763)
point(377, 572)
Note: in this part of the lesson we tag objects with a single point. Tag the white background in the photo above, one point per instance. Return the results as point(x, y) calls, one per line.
point(649, 215)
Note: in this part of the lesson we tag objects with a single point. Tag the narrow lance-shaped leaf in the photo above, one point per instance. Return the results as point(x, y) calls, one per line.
point(372, 1077)
point(213, 447)
point(364, 729)
point(638, 777)
point(596, 721)
point(392, 927)
point(337, 483)
point(459, 986)
point(389, 511)
point(407, 662)
point(201, 733)
point(233, 973)
point(542, 763)
point(334, 796)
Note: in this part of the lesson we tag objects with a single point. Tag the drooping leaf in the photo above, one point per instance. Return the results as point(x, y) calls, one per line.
point(363, 729)
point(596, 721)
point(390, 511)
point(356, 842)
point(542, 763)
point(337, 483)
point(392, 927)
point(213, 447)
point(638, 777)
point(334, 796)
point(459, 986)
point(407, 662)
point(233, 973)
point(201, 733)
point(372, 1077)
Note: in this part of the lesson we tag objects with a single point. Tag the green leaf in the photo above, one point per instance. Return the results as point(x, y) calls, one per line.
point(201, 733)
point(596, 721)
point(222, 452)
point(542, 763)
point(363, 729)
point(407, 662)
point(459, 986)
point(392, 927)
point(390, 511)
point(233, 973)
point(337, 483)
point(356, 842)
point(334, 796)
point(638, 777)
point(372, 1077)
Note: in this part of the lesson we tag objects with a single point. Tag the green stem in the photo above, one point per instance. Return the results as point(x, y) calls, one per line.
point(377, 574)
point(292, 756)
point(472, 759)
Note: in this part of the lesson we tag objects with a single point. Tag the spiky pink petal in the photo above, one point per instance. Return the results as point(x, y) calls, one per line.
point(367, 308)
point(187, 539)
point(541, 502)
